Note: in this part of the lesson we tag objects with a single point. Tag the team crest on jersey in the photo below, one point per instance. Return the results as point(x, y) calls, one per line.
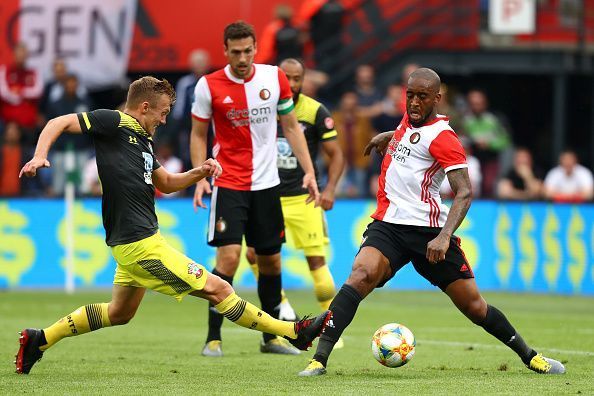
point(221, 225)
point(329, 122)
point(415, 137)
point(194, 269)
point(264, 94)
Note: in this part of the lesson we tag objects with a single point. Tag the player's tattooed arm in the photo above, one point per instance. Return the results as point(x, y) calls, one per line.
point(379, 143)
point(460, 182)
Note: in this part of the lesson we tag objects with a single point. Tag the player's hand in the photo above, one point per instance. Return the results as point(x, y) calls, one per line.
point(211, 168)
point(379, 142)
point(437, 248)
point(202, 187)
point(327, 199)
point(30, 168)
point(309, 182)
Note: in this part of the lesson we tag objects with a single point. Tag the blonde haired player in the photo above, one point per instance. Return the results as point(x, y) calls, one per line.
point(129, 174)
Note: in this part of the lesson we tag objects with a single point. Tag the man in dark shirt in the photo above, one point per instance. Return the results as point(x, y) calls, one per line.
point(129, 173)
point(522, 182)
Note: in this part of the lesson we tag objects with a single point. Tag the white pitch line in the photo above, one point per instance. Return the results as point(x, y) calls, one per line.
point(474, 344)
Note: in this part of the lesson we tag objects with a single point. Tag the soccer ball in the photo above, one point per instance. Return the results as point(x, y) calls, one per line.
point(393, 345)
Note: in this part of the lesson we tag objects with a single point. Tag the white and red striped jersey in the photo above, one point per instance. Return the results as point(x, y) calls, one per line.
point(413, 169)
point(244, 117)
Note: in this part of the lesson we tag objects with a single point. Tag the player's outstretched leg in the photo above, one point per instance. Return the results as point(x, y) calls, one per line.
point(34, 342)
point(286, 311)
point(465, 295)
point(299, 334)
point(369, 269)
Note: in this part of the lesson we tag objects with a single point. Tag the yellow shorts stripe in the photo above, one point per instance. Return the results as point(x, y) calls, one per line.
point(154, 264)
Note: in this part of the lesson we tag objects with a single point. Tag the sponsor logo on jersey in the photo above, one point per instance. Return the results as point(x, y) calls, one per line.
point(194, 269)
point(415, 137)
point(329, 122)
point(264, 94)
point(132, 140)
point(227, 100)
point(245, 117)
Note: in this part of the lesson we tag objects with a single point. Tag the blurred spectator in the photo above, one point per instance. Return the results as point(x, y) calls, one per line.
point(199, 64)
point(12, 157)
point(54, 88)
point(355, 133)
point(489, 137)
point(179, 131)
point(474, 173)
point(369, 97)
point(71, 99)
point(323, 20)
point(522, 182)
point(391, 114)
point(447, 108)
point(20, 90)
point(281, 39)
point(313, 81)
point(69, 102)
point(569, 181)
point(90, 182)
point(170, 162)
point(406, 72)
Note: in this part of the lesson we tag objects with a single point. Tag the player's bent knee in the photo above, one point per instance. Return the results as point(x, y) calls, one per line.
point(363, 279)
point(476, 310)
point(118, 316)
point(216, 289)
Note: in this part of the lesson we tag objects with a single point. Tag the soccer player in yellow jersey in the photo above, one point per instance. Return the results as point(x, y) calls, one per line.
point(304, 223)
point(129, 173)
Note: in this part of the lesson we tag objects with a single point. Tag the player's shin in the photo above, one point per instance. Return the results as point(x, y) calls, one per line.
point(497, 325)
point(215, 319)
point(323, 286)
point(343, 307)
point(248, 315)
point(85, 319)
point(269, 291)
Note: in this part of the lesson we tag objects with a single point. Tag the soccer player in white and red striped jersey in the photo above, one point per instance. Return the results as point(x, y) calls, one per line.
point(412, 225)
point(242, 101)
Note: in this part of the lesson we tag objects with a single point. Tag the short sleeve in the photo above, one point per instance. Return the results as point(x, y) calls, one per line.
point(202, 106)
point(448, 151)
point(285, 99)
point(325, 124)
point(156, 163)
point(100, 122)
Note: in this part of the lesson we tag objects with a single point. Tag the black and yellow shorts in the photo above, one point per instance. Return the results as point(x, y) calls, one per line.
point(305, 225)
point(153, 264)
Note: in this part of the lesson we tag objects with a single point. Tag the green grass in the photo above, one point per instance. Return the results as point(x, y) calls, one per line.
point(159, 351)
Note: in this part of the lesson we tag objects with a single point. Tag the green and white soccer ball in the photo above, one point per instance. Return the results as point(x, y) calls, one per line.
point(393, 345)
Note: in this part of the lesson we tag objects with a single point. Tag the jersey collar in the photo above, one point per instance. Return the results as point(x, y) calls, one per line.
point(231, 77)
point(438, 117)
point(127, 121)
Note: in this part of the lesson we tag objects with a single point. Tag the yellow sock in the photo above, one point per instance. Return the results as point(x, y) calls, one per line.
point(323, 286)
point(85, 319)
point(248, 315)
point(254, 268)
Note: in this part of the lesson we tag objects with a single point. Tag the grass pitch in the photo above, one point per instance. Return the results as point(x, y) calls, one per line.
point(159, 351)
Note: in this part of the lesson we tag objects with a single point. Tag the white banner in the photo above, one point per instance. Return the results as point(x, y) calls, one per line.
point(512, 16)
point(93, 36)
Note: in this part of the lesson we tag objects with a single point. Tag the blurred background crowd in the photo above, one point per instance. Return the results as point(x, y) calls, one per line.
point(505, 124)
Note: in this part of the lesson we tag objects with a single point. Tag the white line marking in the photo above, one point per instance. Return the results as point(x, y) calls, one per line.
point(490, 346)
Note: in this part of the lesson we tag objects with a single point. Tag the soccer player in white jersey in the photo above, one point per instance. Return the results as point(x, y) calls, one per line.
point(242, 101)
point(412, 225)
